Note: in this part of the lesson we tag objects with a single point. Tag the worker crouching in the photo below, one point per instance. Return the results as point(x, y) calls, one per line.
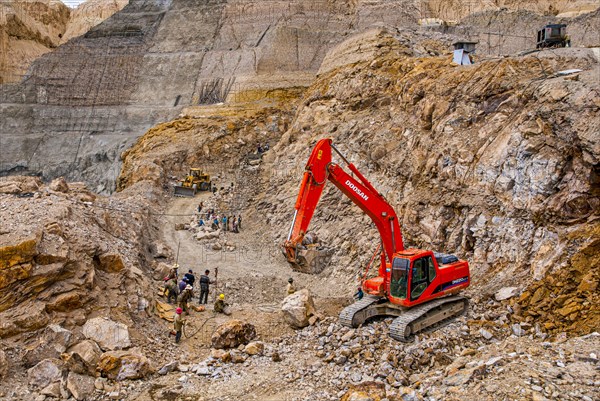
point(170, 289)
point(221, 306)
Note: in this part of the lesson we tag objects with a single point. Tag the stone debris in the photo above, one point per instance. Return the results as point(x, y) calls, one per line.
point(506, 293)
point(365, 391)
point(59, 185)
point(254, 348)
point(169, 367)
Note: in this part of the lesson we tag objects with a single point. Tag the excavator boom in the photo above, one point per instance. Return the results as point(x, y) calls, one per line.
point(318, 170)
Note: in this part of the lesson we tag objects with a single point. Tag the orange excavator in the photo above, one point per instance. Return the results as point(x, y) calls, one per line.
point(418, 287)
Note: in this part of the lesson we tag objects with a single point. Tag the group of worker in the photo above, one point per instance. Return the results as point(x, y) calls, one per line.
point(260, 148)
point(183, 293)
point(224, 222)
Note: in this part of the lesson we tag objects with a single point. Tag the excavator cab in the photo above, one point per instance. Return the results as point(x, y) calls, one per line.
point(417, 276)
point(399, 279)
point(421, 273)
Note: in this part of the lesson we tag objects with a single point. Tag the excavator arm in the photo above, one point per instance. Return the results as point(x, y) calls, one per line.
point(318, 170)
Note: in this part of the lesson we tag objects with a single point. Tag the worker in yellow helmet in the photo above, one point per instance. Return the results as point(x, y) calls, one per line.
point(221, 306)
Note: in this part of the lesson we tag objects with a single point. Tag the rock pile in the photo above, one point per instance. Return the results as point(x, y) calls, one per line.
point(233, 334)
point(75, 367)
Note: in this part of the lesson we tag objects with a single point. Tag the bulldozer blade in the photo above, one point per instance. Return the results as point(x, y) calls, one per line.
point(184, 192)
point(312, 260)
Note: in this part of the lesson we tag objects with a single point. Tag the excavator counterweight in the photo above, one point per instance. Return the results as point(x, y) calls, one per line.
point(416, 286)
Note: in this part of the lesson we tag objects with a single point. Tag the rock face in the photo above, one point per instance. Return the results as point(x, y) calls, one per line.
point(297, 308)
point(28, 29)
point(506, 293)
point(124, 365)
point(232, 334)
point(107, 334)
point(89, 14)
point(561, 300)
point(50, 271)
point(220, 51)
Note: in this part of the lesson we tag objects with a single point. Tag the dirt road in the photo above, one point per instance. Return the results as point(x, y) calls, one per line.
point(253, 279)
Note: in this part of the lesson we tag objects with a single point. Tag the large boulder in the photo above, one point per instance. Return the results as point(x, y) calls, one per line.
point(19, 184)
point(254, 348)
point(82, 387)
point(60, 337)
point(108, 334)
point(50, 344)
point(232, 334)
point(82, 358)
point(76, 364)
point(297, 308)
point(123, 365)
point(59, 185)
point(44, 373)
point(88, 350)
point(365, 391)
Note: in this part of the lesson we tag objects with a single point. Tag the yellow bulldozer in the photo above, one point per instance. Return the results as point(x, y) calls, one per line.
point(196, 180)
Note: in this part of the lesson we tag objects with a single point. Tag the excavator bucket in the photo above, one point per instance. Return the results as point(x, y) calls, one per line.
point(188, 192)
point(312, 260)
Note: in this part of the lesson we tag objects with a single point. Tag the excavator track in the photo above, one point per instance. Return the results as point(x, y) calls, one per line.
point(427, 317)
point(349, 313)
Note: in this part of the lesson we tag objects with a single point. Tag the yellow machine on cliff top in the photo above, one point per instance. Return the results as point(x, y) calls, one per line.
point(196, 180)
